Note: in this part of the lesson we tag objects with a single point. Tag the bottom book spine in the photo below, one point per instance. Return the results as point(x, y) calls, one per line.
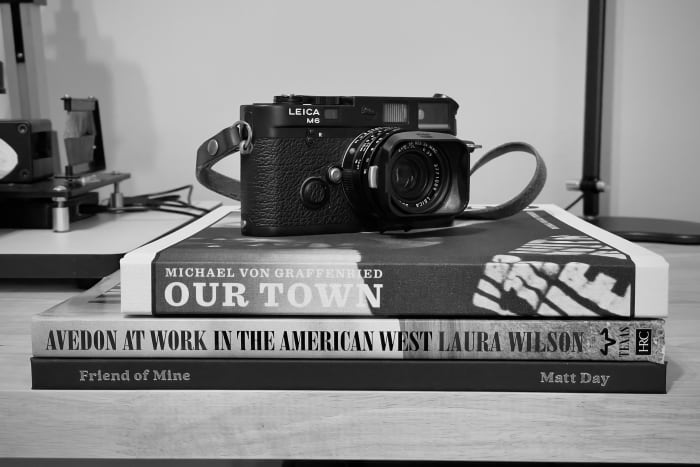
point(378, 375)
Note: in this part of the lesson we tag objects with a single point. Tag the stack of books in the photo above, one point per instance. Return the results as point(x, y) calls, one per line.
point(540, 301)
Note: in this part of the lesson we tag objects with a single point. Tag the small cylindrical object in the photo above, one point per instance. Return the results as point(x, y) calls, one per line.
point(116, 198)
point(573, 185)
point(61, 217)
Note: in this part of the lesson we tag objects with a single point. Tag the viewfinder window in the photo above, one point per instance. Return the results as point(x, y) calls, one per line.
point(433, 116)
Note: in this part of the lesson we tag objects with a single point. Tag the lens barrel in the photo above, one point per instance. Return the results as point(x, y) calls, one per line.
point(357, 161)
point(399, 175)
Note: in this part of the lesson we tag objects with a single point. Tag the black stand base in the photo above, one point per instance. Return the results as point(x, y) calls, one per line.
point(639, 229)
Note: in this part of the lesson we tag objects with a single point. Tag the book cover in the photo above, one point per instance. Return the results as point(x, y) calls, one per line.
point(542, 262)
point(348, 375)
point(91, 325)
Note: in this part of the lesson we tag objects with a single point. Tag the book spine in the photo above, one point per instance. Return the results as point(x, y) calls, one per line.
point(392, 375)
point(493, 288)
point(362, 338)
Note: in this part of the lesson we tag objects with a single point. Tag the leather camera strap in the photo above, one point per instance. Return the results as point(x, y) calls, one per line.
point(522, 199)
point(237, 137)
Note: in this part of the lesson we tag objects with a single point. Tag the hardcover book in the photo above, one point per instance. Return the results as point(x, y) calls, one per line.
point(348, 375)
point(90, 325)
point(541, 262)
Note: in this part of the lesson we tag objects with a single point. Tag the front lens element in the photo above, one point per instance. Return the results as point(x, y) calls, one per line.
point(411, 177)
point(417, 177)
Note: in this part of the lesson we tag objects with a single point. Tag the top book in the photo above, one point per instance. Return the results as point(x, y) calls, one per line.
point(542, 262)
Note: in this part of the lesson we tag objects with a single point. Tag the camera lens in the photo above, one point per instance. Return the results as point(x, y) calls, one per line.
point(400, 177)
point(416, 184)
point(411, 177)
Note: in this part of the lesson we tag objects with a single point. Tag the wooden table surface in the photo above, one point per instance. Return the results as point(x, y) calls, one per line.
point(478, 426)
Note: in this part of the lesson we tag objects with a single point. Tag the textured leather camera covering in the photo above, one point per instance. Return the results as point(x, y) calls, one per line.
point(271, 179)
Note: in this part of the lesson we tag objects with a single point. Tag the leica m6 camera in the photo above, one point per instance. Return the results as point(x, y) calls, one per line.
point(329, 164)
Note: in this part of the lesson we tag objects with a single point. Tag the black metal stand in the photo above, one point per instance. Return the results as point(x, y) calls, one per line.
point(631, 228)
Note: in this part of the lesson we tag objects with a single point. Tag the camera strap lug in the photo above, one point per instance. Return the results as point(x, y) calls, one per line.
point(236, 138)
point(471, 145)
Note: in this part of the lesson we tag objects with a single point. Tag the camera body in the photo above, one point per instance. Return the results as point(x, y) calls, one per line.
point(328, 164)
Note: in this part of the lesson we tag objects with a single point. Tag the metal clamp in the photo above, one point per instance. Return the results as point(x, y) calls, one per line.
point(244, 128)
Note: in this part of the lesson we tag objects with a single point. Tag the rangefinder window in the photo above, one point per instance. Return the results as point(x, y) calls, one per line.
point(433, 116)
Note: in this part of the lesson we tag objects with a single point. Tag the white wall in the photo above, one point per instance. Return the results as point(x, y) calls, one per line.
point(170, 73)
point(654, 109)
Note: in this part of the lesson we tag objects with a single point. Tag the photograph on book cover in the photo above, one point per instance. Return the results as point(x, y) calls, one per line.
point(542, 262)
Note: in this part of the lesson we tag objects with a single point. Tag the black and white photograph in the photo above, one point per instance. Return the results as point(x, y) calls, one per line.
point(367, 233)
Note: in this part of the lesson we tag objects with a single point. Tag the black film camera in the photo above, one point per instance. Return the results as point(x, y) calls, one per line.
point(325, 164)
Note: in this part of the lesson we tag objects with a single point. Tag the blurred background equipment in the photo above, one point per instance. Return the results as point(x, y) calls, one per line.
point(637, 229)
point(35, 191)
point(29, 196)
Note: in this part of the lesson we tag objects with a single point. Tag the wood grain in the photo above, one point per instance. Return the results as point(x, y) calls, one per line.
point(478, 426)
